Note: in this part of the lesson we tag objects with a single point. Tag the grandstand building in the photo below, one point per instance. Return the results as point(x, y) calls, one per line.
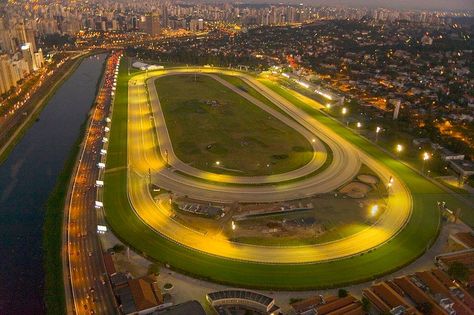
point(227, 300)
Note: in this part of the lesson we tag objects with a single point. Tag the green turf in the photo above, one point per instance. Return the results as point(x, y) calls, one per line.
point(402, 249)
point(231, 130)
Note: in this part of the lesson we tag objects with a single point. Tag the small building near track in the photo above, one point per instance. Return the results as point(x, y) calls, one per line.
point(242, 300)
point(145, 66)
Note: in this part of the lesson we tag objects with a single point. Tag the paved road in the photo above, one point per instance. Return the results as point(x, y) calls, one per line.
point(143, 156)
point(86, 292)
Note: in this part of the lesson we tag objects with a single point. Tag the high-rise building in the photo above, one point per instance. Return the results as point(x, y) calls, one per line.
point(152, 24)
point(7, 78)
point(165, 16)
point(29, 57)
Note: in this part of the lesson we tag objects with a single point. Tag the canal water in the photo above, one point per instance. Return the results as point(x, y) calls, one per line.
point(27, 177)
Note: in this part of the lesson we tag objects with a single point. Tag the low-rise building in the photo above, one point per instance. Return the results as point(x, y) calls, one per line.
point(226, 300)
point(140, 296)
point(186, 308)
point(463, 168)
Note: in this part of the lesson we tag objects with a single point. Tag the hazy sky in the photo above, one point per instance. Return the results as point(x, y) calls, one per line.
point(407, 4)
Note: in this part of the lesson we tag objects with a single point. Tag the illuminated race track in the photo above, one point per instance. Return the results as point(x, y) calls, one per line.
point(166, 148)
point(144, 156)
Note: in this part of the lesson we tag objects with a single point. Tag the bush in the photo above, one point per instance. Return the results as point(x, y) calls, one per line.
point(458, 271)
point(154, 269)
point(118, 248)
point(342, 293)
point(365, 304)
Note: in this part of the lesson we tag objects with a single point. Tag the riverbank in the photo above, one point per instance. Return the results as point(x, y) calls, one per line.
point(28, 176)
point(16, 135)
point(54, 227)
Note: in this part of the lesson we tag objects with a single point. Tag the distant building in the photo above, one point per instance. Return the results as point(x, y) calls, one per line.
point(7, 74)
point(465, 239)
point(196, 25)
point(426, 40)
point(463, 168)
point(447, 155)
point(151, 24)
point(425, 292)
point(422, 142)
point(319, 305)
point(186, 308)
point(465, 257)
point(28, 55)
point(243, 300)
point(140, 296)
point(397, 104)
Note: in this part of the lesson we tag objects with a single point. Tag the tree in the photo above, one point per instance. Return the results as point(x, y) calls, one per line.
point(118, 248)
point(154, 269)
point(424, 308)
point(365, 304)
point(342, 293)
point(458, 271)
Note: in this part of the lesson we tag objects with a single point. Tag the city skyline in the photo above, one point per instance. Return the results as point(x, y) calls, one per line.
point(396, 4)
point(200, 158)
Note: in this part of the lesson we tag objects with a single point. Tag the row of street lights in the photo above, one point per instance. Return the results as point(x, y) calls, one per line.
point(398, 148)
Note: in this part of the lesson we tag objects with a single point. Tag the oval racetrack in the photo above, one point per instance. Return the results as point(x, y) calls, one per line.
point(148, 136)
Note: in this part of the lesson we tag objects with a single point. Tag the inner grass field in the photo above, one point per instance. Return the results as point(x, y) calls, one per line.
point(207, 122)
point(409, 244)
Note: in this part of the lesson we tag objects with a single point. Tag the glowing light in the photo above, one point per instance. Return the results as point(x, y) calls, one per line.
point(233, 226)
point(399, 148)
point(325, 95)
point(378, 129)
point(344, 110)
point(303, 84)
point(101, 229)
point(426, 156)
point(374, 210)
point(359, 125)
point(98, 204)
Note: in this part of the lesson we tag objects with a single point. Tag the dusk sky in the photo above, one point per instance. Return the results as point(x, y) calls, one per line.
point(410, 4)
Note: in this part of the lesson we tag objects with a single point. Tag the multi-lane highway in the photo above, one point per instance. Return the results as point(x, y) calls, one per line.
point(144, 156)
point(87, 289)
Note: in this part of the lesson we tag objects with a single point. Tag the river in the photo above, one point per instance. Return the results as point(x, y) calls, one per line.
point(27, 177)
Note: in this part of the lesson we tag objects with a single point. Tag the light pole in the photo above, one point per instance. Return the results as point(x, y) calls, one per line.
point(234, 227)
point(344, 112)
point(374, 210)
point(377, 131)
point(399, 149)
point(389, 185)
point(426, 157)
